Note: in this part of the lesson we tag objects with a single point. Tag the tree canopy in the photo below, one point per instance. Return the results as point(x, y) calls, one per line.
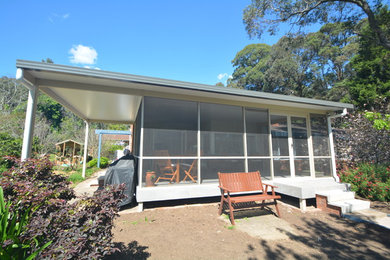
point(301, 65)
point(266, 15)
point(371, 66)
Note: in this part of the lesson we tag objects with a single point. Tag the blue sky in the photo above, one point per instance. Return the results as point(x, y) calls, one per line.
point(183, 40)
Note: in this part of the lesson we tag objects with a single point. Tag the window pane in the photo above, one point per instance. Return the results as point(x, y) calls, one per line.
point(299, 135)
point(319, 132)
point(210, 168)
point(322, 167)
point(302, 167)
point(281, 167)
point(221, 130)
point(262, 165)
point(158, 172)
point(279, 135)
point(257, 132)
point(170, 125)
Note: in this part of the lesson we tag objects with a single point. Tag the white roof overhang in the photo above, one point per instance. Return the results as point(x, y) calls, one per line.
point(104, 96)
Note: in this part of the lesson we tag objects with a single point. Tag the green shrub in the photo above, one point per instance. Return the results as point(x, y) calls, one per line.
point(80, 230)
point(12, 224)
point(371, 181)
point(11, 146)
point(103, 162)
point(115, 147)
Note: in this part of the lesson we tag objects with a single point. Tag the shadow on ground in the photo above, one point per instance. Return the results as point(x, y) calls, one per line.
point(130, 251)
point(359, 240)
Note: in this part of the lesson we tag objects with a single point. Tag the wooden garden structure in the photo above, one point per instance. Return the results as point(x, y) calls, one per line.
point(68, 152)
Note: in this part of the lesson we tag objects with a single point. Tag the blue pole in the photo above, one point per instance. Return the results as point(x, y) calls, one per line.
point(99, 150)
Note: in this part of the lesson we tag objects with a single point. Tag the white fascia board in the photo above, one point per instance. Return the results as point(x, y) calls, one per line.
point(158, 82)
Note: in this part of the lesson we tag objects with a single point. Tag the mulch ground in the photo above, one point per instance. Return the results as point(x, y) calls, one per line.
point(197, 232)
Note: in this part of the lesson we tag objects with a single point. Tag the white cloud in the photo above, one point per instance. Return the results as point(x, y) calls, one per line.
point(222, 75)
point(83, 54)
point(53, 17)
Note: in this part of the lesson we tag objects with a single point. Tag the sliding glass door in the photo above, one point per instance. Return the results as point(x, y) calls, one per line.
point(290, 149)
point(300, 146)
point(280, 146)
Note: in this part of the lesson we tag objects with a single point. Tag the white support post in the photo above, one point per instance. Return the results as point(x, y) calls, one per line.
point(85, 148)
point(140, 207)
point(245, 140)
point(332, 152)
point(29, 123)
point(302, 204)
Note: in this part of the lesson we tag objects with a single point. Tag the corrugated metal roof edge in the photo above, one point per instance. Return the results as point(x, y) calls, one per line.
point(34, 65)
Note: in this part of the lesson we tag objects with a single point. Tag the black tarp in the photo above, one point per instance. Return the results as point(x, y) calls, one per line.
point(122, 171)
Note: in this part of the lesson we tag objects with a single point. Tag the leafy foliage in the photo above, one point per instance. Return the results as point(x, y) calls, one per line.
point(80, 230)
point(113, 148)
point(11, 146)
point(104, 161)
point(379, 121)
point(300, 65)
point(12, 224)
point(371, 181)
point(51, 109)
point(266, 15)
point(371, 78)
point(251, 64)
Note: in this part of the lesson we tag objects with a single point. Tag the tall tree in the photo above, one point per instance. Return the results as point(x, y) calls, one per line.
point(301, 65)
point(292, 70)
point(371, 80)
point(266, 15)
point(250, 65)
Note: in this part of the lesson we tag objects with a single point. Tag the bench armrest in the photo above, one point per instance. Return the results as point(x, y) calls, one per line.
point(224, 189)
point(273, 186)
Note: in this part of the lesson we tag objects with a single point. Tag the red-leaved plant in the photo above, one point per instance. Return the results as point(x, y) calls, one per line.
point(79, 230)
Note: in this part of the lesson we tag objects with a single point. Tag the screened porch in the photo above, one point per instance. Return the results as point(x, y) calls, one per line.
point(182, 143)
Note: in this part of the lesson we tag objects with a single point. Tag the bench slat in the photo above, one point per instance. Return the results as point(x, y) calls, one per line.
point(249, 198)
point(241, 181)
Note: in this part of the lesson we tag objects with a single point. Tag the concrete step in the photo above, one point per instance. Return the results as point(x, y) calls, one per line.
point(337, 195)
point(332, 187)
point(351, 205)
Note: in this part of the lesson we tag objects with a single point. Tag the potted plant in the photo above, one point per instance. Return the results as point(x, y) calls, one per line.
point(150, 178)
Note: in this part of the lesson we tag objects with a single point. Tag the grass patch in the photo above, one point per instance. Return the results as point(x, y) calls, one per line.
point(75, 175)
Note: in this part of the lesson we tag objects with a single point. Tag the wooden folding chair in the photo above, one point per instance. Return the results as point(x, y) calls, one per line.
point(166, 169)
point(191, 172)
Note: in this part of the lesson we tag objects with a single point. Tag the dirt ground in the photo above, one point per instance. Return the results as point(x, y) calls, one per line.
point(378, 205)
point(197, 232)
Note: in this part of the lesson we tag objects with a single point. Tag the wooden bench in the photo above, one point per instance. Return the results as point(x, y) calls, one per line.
point(244, 182)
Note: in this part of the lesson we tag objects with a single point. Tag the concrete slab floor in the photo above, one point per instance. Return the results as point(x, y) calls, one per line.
point(261, 224)
point(371, 216)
